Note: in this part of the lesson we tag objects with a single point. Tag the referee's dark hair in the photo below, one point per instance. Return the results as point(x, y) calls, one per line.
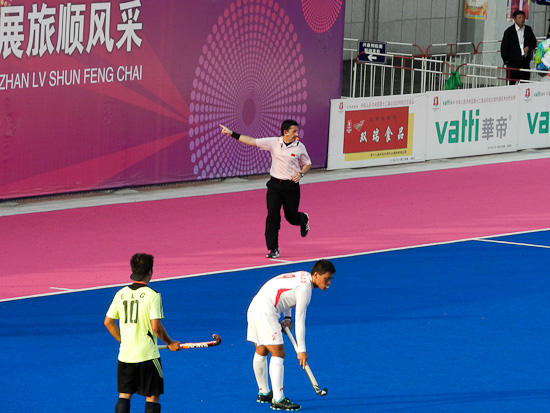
point(322, 267)
point(287, 124)
point(141, 263)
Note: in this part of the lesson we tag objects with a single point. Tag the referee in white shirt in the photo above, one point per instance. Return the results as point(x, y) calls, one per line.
point(289, 163)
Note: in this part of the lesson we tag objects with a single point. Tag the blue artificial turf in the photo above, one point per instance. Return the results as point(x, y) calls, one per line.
point(459, 327)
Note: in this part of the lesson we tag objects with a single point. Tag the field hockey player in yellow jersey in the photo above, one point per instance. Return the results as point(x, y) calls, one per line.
point(138, 309)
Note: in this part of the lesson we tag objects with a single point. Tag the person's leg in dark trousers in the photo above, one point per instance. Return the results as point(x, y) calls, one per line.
point(512, 75)
point(515, 76)
point(273, 220)
point(525, 75)
point(291, 203)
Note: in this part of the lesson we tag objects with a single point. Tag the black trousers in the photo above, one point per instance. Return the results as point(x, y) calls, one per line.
point(514, 76)
point(286, 194)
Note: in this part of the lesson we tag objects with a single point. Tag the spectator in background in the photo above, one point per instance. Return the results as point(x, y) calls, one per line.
point(517, 47)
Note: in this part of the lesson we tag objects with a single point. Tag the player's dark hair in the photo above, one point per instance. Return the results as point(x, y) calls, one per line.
point(322, 267)
point(287, 124)
point(141, 263)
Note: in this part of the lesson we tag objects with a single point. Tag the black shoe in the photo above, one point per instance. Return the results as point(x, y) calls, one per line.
point(304, 228)
point(285, 404)
point(274, 253)
point(265, 398)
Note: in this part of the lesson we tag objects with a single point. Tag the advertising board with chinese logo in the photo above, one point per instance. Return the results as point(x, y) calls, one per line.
point(534, 115)
point(375, 131)
point(369, 132)
point(479, 122)
point(101, 94)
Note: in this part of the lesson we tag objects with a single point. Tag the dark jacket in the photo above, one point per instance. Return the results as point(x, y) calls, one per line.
point(509, 48)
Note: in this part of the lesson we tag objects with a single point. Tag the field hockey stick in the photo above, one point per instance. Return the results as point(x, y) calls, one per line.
point(308, 370)
point(202, 344)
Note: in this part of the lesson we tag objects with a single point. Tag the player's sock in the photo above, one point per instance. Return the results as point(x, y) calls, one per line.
point(277, 374)
point(259, 364)
point(151, 407)
point(122, 406)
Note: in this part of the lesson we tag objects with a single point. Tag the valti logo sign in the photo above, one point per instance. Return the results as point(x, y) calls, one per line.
point(459, 121)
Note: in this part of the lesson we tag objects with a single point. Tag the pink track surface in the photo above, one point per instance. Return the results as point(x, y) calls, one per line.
point(91, 247)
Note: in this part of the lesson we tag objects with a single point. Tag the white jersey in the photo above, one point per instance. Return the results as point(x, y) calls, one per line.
point(286, 160)
point(281, 294)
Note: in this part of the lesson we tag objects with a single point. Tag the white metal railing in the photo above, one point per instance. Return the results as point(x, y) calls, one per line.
point(404, 50)
point(397, 76)
point(408, 69)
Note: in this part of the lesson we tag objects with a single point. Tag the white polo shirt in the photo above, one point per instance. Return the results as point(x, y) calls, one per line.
point(285, 160)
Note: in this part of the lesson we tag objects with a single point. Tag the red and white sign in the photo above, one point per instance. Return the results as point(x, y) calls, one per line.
point(376, 131)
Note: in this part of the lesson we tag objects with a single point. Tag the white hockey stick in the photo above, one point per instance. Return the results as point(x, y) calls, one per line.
point(202, 344)
point(308, 370)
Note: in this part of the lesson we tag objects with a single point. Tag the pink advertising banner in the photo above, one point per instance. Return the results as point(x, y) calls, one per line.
point(108, 94)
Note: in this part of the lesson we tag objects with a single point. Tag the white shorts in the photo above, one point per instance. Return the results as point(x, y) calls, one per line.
point(264, 328)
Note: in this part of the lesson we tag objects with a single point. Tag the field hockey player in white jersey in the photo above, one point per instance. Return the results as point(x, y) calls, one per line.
point(278, 296)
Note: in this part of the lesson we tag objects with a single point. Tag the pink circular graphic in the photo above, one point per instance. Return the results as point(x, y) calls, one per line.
point(320, 15)
point(250, 77)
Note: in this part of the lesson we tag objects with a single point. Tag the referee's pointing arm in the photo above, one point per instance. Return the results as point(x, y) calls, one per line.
point(241, 138)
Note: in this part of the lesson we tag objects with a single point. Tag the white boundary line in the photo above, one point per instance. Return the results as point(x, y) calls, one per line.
point(482, 239)
point(513, 243)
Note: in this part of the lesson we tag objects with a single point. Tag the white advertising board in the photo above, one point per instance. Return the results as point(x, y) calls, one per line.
point(472, 122)
point(534, 120)
point(376, 131)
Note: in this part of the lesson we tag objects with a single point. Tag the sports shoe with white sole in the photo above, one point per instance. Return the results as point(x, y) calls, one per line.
point(285, 404)
point(274, 253)
point(304, 228)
